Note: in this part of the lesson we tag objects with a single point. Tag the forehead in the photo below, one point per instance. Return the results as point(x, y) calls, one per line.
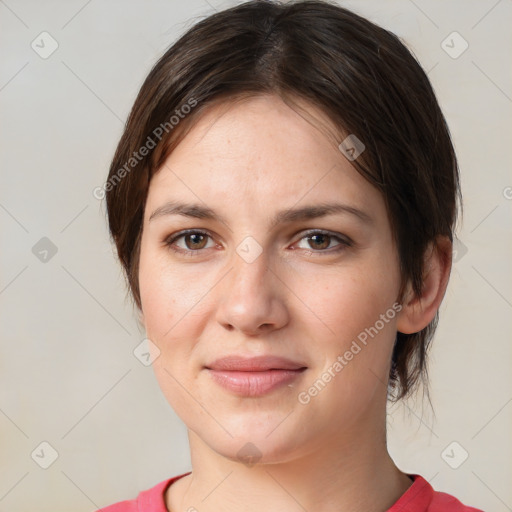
point(260, 151)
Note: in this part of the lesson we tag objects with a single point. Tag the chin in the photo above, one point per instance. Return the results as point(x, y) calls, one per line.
point(253, 447)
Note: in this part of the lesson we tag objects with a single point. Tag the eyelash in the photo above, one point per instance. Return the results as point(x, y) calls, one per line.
point(344, 242)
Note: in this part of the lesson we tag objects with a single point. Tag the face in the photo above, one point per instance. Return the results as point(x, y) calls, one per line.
point(258, 268)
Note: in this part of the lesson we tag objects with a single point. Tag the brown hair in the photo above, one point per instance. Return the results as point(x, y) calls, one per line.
point(359, 74)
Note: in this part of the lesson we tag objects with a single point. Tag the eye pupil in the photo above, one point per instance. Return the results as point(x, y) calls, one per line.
point(323, 241)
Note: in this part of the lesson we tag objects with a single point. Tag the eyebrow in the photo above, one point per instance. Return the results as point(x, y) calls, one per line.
point(288, 215)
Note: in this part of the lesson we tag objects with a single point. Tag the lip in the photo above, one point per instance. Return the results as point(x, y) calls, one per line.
point(254, 364)
point(254, 376)
point(254, 383)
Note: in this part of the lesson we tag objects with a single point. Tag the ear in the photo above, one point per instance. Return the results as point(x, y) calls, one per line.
point(418, 311)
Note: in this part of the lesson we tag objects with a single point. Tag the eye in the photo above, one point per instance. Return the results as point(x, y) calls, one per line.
point(322, 241)
point(189, 242)
point(192, 241)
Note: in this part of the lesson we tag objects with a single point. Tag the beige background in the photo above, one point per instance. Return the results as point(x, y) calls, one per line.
point(68, 375)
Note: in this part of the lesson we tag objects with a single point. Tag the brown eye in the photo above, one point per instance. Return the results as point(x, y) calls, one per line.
point(321, 241)
point(195, 241)
point(189, 242)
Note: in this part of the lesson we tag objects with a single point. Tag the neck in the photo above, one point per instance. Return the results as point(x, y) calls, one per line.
point(356, 474)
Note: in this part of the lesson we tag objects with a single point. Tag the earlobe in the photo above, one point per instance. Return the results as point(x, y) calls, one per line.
point(418, 311)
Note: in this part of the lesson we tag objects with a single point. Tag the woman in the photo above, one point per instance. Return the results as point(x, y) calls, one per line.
point(282, 200)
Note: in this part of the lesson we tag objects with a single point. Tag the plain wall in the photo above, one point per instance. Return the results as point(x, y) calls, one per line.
point(68, 375)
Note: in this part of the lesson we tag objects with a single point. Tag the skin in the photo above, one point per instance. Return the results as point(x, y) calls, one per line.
point(300, 299)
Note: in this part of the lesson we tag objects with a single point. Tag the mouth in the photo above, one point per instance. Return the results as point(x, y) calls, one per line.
point(254, 383)
point(254, 376)
point(254, 364)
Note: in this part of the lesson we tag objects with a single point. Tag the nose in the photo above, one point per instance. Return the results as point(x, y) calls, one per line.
point(252, 298)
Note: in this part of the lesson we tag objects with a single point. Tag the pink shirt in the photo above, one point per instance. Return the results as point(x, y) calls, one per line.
point(420, 497)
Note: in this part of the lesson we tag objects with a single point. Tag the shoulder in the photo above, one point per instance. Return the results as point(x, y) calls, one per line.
point(442, 501)
point(421, 497)
point(149, 500)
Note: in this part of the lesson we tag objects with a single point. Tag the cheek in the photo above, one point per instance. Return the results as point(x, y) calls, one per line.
point(358, 324)
point(353, 355)
point(350, 299)
point(172, 307)
point(169, 298)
